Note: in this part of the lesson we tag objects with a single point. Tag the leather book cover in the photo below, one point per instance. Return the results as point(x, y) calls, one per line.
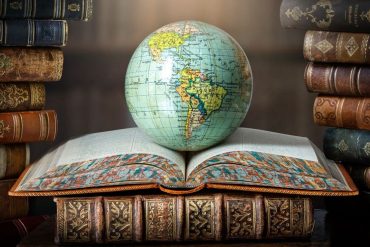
point(330, 15)
point(29, 32)
point(337, 79)
point(79, 220)
point(334, 47)
point(11, 207)
point(342, 112)
point(348, 146)
point(13, 159)
point(46, 9)
point(361, 176)
point(202, 217)
point(28, 126)
point(31, 64)
point(22, 96)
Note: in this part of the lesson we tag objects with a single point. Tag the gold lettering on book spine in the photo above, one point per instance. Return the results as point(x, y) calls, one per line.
point(240, 219)
point(16, 5)
point(312, 14)
point(11, 96)
point(74, 7)
point(77, 223)
point(200, 219)
point(160, 218)
point(119, 220)
point(37, 95)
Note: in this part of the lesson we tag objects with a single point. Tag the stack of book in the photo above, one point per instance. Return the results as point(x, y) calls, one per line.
point(336, 47)
point(31, 34)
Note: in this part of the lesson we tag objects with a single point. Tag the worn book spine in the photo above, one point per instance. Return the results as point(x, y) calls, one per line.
point(22, 96)
point(330, 15)
point(336, 47)
point(11, 207)
point(30, 64)
point(337, 79)
point(46, 9)
point(30, 32)
point(348, 146)
point(13, 230)
point(13, 160)
point(209, 217)
point(361, 176)
point(29, 126)
point(342, 112)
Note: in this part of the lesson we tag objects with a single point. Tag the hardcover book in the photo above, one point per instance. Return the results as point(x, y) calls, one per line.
point(30, 64)
point(338, 79)
point(46, 9)
point(33, 32)
point(10, 206)
point(330, 15)
point(204, 217)
point(126, 159)
point(13, 159)
point(332, 47)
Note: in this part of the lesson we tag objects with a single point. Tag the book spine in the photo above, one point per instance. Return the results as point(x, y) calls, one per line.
point(213, 217)
point(33, 32)
point(347, 146)
point(12, 231)
point(361, 176)
point(342, 112)
point(337, 79)
point(46, 9)
point(13, 160)
point(297, 211)
point(11, 207)
point(330, 15)
point(28, 126)
point(21, 96)
point(336, 47)
point(30, 64)
point(79, 220)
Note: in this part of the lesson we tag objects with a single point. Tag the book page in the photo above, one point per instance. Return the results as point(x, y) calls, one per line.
point(100, 145)
point(244, 139)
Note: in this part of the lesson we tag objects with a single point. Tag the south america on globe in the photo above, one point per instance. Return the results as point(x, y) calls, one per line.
point(188, 85)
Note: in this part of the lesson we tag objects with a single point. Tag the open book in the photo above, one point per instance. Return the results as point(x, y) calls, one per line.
point(126, 159)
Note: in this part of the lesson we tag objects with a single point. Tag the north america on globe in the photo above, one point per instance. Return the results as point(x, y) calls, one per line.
point(188, 85)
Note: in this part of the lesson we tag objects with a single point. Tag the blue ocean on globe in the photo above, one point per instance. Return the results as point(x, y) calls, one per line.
point(188, 85)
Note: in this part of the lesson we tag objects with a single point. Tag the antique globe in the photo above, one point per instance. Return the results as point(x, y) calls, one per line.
point(188, 85)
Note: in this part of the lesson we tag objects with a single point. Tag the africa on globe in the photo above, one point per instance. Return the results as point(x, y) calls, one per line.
point(188, 85)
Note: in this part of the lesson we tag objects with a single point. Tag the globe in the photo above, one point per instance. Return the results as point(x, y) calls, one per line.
point(188, 85)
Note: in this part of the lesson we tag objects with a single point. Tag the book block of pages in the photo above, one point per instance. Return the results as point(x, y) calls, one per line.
point(126, 159)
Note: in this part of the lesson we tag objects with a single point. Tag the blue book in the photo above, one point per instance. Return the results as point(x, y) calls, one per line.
point(46, 9)
point(33, 32)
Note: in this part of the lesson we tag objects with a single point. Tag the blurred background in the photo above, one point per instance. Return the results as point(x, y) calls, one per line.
point(90, 96)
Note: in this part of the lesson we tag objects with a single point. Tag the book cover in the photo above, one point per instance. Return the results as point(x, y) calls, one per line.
point(337, 79)
point(30, 64)
point(13, 159)
point(10, 206)
point(126, 159)
point(28, 126)
point(30, 32)
point(335, 47)
point(46, 9)
point(22, 96)
point(202, 217)
point(342, 112)
point(329, 15)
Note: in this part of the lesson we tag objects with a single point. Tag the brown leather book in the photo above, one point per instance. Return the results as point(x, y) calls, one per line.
point(30, 64)
point(208, 217)
point(29, 126)
point(342, 112)
point(361, 176)
point(337, 79)
point(322, 46)
point(21, 96)
point(11, 207)
point(13, 160)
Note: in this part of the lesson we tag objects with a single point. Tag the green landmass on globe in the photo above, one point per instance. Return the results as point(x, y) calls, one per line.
point(188, 85)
